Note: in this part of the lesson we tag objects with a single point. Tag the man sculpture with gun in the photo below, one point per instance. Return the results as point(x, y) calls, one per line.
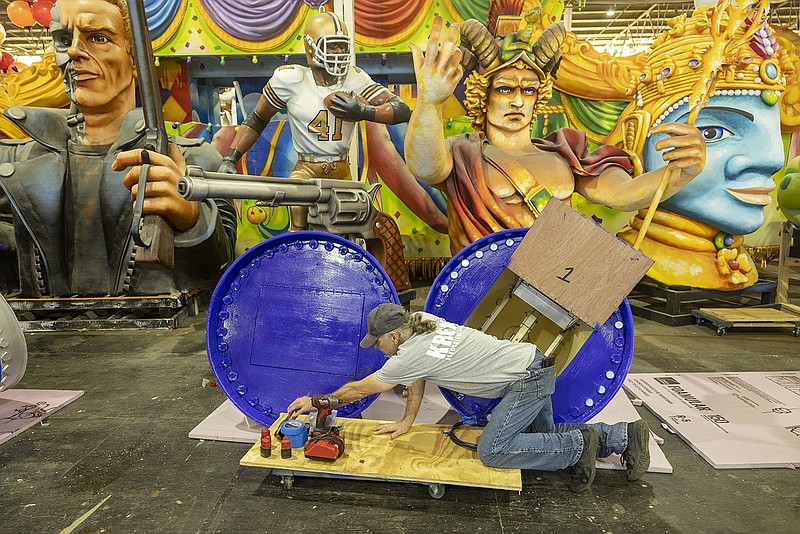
point(71, 187)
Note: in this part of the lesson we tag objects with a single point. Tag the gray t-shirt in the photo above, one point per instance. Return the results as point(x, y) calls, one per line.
point(459, 358)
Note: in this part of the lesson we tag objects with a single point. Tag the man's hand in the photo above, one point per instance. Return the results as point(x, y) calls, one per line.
point(350, 107)
point(227, 166)
point(688, 149)
point(299, 406)
point(397, 428)
point(438, 71)
point(161, 193)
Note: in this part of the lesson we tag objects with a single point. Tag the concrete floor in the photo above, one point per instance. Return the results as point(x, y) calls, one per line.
point(126, 439)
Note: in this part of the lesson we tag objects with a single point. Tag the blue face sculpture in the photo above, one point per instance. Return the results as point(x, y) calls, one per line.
point(743, 150)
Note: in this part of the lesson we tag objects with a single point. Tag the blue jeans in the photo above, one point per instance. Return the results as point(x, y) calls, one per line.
point(521, 433)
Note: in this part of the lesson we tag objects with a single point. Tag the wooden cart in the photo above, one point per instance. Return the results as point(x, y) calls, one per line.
point(424, 456)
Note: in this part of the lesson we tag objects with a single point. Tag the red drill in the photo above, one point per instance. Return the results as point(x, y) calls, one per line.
point(324, 443)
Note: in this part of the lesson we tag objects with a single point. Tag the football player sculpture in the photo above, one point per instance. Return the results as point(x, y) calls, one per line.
point(323, 102)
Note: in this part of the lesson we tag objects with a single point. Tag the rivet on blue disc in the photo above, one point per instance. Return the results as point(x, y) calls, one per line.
point(223, 315)
point(227, 300)
point(313, 243)
point(232, 376)
point(222, 347)
point(241, 390)
point(610, 375)
point(253, 401)
point(225, 362)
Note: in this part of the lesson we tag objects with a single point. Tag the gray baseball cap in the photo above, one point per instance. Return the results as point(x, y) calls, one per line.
point(382, 320)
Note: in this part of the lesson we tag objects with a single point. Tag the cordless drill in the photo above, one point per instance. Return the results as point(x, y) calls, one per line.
point(324, 442)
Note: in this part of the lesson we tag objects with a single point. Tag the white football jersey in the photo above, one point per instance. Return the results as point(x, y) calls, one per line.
point(315, 130)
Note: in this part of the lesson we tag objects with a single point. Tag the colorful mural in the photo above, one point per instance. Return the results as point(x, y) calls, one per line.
point(590, 94)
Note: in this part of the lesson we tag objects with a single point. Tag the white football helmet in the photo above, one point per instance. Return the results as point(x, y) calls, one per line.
point(327, 44)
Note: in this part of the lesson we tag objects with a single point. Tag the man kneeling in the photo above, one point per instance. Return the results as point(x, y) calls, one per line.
point(520, 433)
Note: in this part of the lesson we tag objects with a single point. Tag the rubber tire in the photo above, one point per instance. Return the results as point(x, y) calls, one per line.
point(720, 331)
point(436, 491)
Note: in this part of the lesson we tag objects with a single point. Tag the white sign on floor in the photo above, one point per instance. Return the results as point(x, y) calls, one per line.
point(20, 409)
point(733, 420)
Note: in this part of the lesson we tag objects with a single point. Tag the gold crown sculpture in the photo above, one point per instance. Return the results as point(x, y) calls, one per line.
point(749, 62)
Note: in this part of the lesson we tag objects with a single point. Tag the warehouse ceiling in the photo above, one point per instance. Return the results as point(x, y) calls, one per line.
point(619, 28)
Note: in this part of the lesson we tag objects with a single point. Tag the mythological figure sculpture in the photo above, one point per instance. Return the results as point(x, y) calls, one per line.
point(498, 177)
point(696, 235)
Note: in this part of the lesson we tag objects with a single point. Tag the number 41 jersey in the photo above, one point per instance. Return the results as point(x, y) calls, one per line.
point(314, 128)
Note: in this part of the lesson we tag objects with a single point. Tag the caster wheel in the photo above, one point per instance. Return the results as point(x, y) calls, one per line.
point(287, 482)
point(796, 331)
point(436, 490)
point(720, 331)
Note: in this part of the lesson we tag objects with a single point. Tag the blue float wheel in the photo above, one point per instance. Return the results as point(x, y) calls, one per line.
point(587, 382)
point(286, 319)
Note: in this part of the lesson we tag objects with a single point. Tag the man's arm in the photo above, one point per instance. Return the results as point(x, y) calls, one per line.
point(437, 72)
point(413, 402)
point(248, 133)
point(616, 189)
point(350, 392)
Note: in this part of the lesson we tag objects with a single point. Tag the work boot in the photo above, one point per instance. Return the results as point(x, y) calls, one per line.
point(636, 455)
point(581, 474)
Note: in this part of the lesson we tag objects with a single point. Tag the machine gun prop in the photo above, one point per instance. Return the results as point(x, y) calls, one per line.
point(152, 234)
point(340, 207)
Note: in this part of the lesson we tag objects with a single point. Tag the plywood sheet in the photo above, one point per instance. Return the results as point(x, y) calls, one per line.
point(424, 454)
point(578, 264)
